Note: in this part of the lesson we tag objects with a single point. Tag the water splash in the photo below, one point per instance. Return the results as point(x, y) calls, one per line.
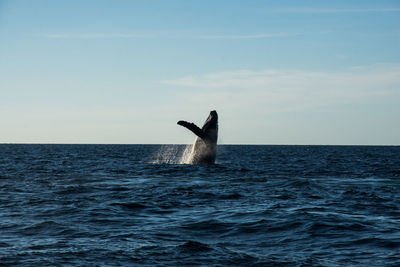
point(172, 154)
point(185, 157)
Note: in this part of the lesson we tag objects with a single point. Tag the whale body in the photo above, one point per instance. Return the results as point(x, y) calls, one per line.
point(204, 149)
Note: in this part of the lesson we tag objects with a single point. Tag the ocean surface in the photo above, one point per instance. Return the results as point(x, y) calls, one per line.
point(127, 205)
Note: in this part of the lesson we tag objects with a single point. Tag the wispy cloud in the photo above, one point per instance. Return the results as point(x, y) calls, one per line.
point(334, 10)
point(164, 35)
point(292, 90)
point(247, 36)
point(100, 35)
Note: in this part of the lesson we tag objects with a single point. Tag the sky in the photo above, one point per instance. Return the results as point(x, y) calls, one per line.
point(124, 72)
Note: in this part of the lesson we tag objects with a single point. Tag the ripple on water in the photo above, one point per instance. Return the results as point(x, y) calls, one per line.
point(90, 205)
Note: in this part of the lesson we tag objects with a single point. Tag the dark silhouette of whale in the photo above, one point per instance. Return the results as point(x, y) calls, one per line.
point(204, 149)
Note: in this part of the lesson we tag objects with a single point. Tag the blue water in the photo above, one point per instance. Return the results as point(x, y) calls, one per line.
point(116, 205)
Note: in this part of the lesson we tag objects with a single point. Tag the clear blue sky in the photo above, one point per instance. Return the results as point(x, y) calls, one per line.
point(277, 72)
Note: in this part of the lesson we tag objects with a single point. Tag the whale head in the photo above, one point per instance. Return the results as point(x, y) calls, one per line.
point(210, 127)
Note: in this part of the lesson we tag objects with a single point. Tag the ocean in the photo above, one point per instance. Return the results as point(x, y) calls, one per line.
point(138, 205)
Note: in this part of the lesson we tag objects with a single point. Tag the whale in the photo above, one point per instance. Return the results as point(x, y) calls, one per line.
point(204, 149)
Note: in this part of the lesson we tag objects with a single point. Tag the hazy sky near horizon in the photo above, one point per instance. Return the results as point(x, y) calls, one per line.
point(277, 72)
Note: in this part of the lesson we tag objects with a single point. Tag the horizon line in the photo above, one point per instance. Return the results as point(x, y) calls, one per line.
point(176, 144)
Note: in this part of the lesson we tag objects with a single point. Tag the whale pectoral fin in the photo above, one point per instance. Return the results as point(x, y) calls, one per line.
point(193, 127)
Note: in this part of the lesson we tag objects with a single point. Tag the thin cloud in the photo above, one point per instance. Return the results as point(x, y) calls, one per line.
point(334, 10)
point(163, 35)
point(100, 36)
point(248, 36)
point(294, 90)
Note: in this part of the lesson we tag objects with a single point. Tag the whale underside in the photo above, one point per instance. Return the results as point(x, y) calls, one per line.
point(204, 149)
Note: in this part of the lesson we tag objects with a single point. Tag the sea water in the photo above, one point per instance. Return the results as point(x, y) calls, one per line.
point(113, 205)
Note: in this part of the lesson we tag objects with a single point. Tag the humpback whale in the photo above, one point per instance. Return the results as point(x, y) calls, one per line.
point(204, 149)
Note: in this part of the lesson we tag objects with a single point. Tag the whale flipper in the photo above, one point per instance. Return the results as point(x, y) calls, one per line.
point(193, 127)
